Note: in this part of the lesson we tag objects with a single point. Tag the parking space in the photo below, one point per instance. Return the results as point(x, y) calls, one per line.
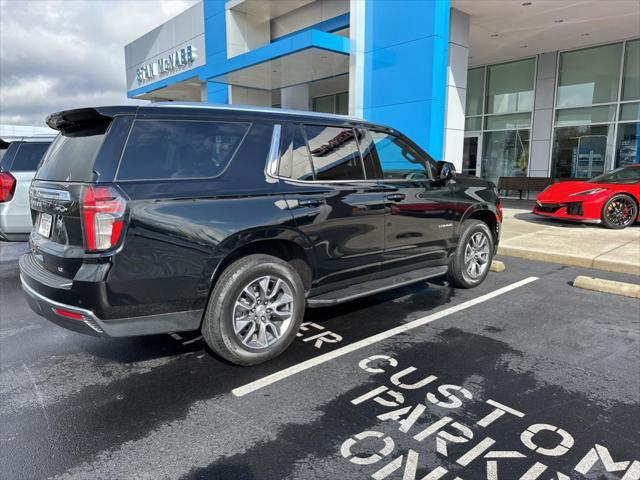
point(524, 377)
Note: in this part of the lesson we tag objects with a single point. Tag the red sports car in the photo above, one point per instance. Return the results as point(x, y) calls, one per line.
point(611, 199)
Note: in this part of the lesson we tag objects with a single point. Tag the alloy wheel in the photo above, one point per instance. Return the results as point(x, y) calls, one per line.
point(263, 312)
point(476, 255)
point(621, 211)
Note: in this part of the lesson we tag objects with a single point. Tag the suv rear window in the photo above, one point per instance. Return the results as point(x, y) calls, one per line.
point(174, 149)
point(28, 157)
point(70, 159)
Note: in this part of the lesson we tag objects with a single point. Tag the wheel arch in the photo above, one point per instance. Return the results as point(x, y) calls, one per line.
point(484, 214)
point(628, 193)
point(286, 244)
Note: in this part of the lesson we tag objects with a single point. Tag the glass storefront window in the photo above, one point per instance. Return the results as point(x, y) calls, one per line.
point(589, 76)
point(510, 87)
point(475, 94)
point(631, 77)
point(629, 111)
point(338, 103)
point(581, 116)
point(472, 123)
point(504, 122)
point(323, 104)
point(342, 103)
point(628, 144)
point(581, 151)
point(505, 154)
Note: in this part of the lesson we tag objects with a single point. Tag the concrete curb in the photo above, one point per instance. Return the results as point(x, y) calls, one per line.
point(607, 286)
point(572, 260)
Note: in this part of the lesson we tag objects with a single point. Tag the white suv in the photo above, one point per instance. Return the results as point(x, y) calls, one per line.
point(19, 161)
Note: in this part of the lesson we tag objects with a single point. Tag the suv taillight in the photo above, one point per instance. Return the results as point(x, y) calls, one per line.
point(102, 210)
point(7, 186)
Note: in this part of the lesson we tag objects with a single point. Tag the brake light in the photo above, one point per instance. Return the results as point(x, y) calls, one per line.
point(102, 210)
point(7, 186)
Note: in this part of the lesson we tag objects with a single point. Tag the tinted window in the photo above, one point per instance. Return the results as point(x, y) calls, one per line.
point(296, 162)
point(367, 150)
point(28, 157)
point(397, 159)
point(9, 152)
point(70, 158)
point(619, 175)
point(334, 153)
point(161, 149)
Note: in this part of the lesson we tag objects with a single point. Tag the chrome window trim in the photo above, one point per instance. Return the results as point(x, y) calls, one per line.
point(273, 160)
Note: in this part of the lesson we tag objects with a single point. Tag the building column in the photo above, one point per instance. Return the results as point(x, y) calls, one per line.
point(542, 129)
point(400, 66)
point(249, 96)
point(356, 58)
point(296, 97)
point(457, 66)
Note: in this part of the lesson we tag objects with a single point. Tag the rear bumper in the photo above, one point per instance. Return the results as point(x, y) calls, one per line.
point(46, 294)
point(44, 307)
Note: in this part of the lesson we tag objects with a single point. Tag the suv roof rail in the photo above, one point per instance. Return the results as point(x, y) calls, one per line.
point(252, 108)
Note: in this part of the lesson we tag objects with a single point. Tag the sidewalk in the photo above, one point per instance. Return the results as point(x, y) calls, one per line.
point(526, 235)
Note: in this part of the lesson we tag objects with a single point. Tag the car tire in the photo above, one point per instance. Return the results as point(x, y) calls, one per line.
point(476, 247)
point(611, 220)
point(225, 327)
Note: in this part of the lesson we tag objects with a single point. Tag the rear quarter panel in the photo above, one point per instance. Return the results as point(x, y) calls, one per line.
point(474, 194)
point(15, 215)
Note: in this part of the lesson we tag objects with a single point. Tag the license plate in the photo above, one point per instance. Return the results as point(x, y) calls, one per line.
point(44, 226)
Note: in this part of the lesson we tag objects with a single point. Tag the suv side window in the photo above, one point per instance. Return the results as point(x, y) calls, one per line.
point(398, 160)
point(173, 149)
point(367, 150)
point(28, 157)
point(334, 153)
point(295, 162)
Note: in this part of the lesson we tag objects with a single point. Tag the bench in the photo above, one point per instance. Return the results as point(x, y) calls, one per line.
point(524, 184)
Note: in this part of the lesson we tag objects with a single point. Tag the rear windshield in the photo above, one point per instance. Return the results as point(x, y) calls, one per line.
point(70, 159)
point(174, 149)
point(28, 157)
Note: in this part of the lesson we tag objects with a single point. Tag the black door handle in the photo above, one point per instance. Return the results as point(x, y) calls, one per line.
point(310, 202)
point(396, 197)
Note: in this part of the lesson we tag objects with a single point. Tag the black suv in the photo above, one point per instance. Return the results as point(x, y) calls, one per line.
point(232, 220)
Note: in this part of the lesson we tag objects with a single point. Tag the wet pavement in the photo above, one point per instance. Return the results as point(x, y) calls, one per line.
point(536, 381)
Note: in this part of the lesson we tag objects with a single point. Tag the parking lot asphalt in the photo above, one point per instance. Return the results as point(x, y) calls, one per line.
point(524, 377)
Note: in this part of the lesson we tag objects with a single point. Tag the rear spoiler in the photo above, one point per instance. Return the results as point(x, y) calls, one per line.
point(85, 121)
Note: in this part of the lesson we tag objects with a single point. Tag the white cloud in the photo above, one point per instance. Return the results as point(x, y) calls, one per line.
point(63, 54)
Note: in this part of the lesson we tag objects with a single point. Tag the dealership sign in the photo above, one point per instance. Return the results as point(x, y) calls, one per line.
point(168, 64)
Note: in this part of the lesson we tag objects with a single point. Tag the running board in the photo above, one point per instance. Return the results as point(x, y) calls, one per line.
point(342, 295)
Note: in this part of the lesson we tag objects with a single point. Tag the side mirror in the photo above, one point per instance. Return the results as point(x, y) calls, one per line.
point(446, 170)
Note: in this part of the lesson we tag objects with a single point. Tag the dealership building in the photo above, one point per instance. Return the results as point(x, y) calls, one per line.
point(501, 88)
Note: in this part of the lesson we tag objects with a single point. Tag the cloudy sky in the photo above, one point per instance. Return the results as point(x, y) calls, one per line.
point(62, 54)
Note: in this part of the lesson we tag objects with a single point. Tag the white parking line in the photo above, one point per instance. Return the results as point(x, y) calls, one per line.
point(320, 359)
